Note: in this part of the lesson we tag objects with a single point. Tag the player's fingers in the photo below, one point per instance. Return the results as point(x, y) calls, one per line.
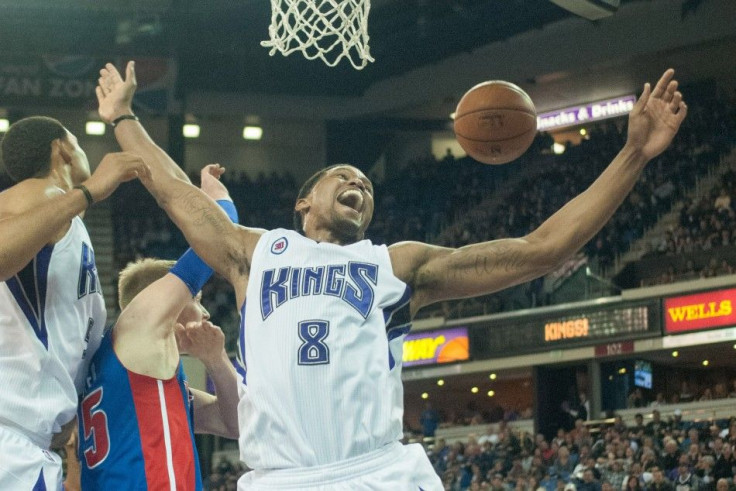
point(102, 84)
point(100, 94)
point(663, 82)
point(643, 98)
point(113, 71)
point(130, 74)
point(681, 113)
point(675, 102)
point(670, 92)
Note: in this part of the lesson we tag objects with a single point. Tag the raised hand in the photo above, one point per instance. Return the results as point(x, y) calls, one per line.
point(656, 117)
point(211, 184)
point(202, 340)
point(115, 94)
point(114, 169)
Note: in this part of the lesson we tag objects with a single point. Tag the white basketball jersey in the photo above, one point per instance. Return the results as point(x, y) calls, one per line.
point(52, 315)
point(320, 351)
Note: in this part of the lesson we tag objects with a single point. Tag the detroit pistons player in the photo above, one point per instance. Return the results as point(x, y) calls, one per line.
point(324, 311)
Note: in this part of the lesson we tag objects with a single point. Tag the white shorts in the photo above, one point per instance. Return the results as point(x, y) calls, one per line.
point(24, 466)
point(396, 467)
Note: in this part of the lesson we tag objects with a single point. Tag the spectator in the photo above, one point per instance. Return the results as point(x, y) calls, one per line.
point(659, 482)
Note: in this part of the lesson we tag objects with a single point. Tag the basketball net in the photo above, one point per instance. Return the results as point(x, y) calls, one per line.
point(326, 29)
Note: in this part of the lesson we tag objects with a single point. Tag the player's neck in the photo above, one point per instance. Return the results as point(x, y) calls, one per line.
point(330, 237)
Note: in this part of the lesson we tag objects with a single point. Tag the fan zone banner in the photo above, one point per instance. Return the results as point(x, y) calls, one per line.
point(70, 80)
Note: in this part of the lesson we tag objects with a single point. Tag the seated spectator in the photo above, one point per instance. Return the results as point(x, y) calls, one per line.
point(685, 479)
point(659, 482)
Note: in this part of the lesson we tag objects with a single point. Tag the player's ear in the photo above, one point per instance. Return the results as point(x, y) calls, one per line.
point(59, 149)
point(302, 205)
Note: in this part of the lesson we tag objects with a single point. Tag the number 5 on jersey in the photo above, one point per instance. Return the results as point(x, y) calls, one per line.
point(94, 426)
point(313, 350)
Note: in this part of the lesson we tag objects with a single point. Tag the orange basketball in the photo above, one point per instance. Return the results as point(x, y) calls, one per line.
point(455, 350)
point(495, 122)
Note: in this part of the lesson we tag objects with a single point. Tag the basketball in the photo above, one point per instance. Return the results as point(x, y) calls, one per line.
point(495, 122)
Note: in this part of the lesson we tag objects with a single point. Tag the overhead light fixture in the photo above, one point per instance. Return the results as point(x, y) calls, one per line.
point(492, 376)
point(5, 124)
point(252, 132)
point(190, 130)
point(425, 395)
point(558, 148)
point(95, 128)
point(440, 382)
point(491, 393)
point(706, 363)
point(452, 115)
point(474, 390)
point(675, 354)
point(622, 371)
point(583, 132)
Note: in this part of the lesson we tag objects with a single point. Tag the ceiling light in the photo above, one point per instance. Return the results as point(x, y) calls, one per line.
point(621, 371)
point(252, 132)
point(583, 131)
point(452, 115)
point(5, 124)
point(492, 376)
point(706, 363)
point(558, 148)
point(675, 354)
point(474, 390)
point(440, 382)
point(425, 395)
point(190, 130)
point(491, 393)
point(96, 128)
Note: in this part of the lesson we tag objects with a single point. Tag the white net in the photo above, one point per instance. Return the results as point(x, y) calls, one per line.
point(326, 29)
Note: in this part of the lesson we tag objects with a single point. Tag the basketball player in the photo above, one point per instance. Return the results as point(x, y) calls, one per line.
point(138, 416)
point(321, 333)
point(51, 308)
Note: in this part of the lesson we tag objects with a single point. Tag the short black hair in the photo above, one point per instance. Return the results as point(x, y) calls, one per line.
point(26, 148)
point(306, 189)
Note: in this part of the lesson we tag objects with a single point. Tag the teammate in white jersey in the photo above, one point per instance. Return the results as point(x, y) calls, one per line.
point(51, 308)
point(324, 311)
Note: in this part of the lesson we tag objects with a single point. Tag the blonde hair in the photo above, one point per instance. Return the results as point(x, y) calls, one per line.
point(136, 276)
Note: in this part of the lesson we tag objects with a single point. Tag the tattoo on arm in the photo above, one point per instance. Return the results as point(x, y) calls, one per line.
point(493, 258)
point(196, 206)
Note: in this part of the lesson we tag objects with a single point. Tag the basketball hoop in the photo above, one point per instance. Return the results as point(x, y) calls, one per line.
point(326, 29)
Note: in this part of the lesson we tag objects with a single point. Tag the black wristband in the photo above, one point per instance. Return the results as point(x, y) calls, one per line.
point(117, 120)
point(87, 194)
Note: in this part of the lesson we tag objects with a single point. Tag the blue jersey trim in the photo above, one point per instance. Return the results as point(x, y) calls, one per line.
point(240, 366)
point(398, 321)
point(40, 483)
point(29, 287)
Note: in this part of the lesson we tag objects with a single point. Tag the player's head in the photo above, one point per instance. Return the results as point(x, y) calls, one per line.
point(138, 275)
point(338, 198)
point(34, 146)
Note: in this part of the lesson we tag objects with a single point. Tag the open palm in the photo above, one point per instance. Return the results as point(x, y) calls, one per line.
point(656, 117)
point(115, 94)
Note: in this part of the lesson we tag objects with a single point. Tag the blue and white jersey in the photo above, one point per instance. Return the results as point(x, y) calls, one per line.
point(52, 315)
point(320, 352)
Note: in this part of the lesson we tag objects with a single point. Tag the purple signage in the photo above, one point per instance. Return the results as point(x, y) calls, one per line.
point(441, 346)
point(595, 111)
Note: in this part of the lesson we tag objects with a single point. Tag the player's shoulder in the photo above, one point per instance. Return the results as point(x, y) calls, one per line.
point(26, 195)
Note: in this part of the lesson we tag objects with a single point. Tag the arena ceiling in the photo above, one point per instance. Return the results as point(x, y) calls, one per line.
point(217, 42)
point(426, 51)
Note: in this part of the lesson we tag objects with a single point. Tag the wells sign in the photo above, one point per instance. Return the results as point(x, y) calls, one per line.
point(700, 311)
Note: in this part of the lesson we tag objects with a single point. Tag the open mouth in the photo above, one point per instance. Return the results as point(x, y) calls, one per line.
point(351, 198)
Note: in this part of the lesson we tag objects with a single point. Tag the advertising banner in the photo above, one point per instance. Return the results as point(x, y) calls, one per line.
point(436, 347)
point(700, 311)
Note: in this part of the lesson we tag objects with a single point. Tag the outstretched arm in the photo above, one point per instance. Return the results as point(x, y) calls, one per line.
point(27, 232)
point(438, 273)
point(221, 244)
